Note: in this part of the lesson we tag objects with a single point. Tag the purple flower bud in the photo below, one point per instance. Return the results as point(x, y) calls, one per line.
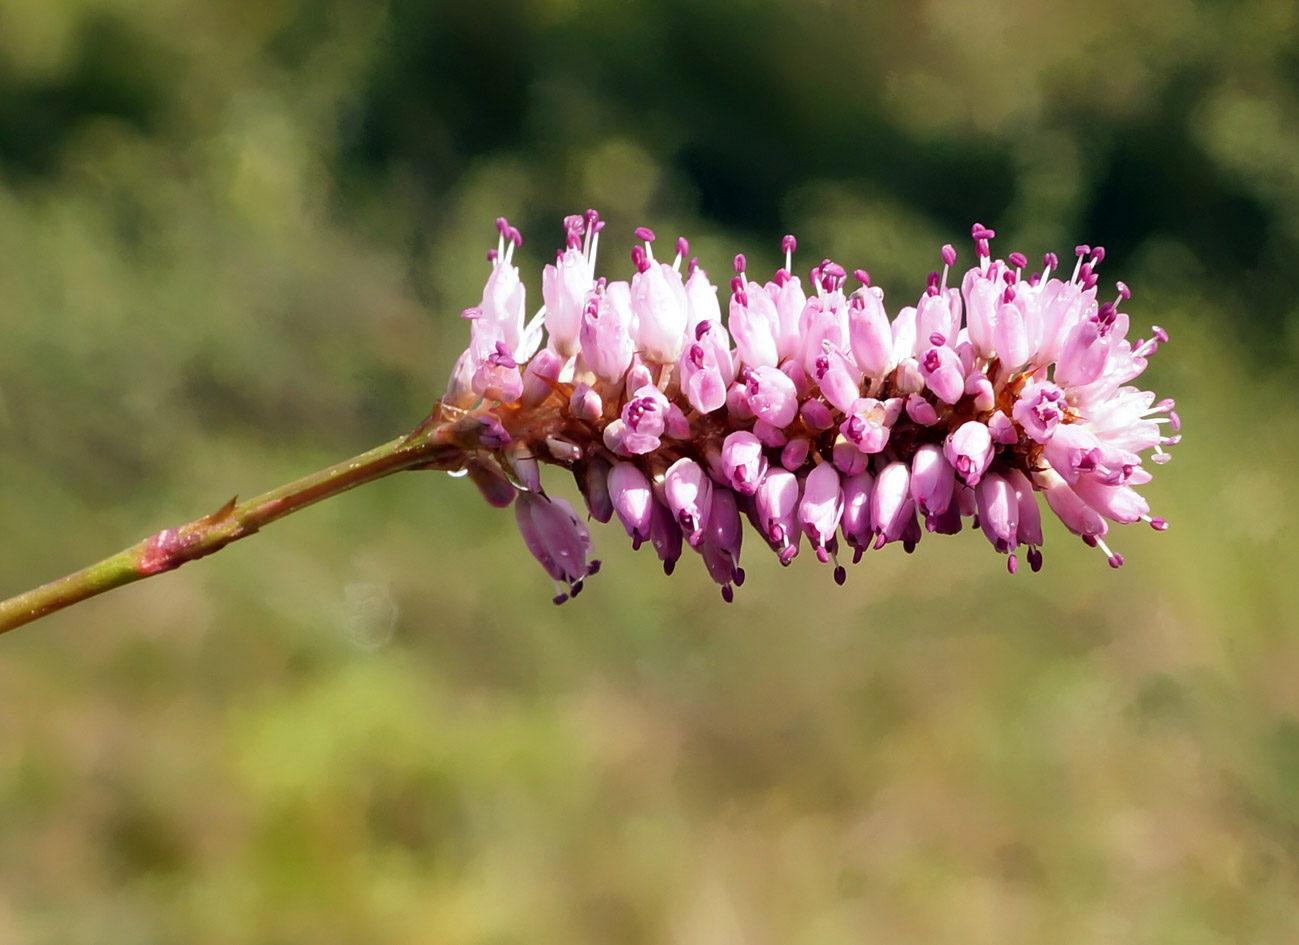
point(721, 545)
point(1010, 336)
point(856, 524)
point(847, 458)
point(702, 379)
point(892, 507)
point(998, 512)
point(753, 321)
point(556, 538)
point(539, 377)
point(593, 480)
point(563, 289)
point(794, 453)
point(701, 302)
point(743, 461)
point(460, 386)
point(1030, 516)
point(838, 378)
point(605, 332)
point(816, 415)
point(633, 500)
point(979, 387)
point(659, 309)
point(585, 404)
point(1077, 515)
point(665, 534)
point(933, 480)
point(1002, 430)
point(821, 508)
point(921, 411)
point(688, 491)
point(487, 475)
point(941, 369)
point(969, 450)
point(772, 396)
point(777, 506)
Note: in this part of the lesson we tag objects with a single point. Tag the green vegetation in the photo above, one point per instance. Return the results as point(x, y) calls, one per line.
point(234, 241)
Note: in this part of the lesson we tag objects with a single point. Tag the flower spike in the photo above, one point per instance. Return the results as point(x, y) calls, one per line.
point(815, 417)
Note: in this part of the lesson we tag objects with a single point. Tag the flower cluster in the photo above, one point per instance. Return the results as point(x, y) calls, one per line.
point(805, 410)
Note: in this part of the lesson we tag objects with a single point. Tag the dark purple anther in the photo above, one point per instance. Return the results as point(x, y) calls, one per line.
point(493, 255)
point(1174, 420)
point(1098, 255)
point(1035, 559)
point(694, 264)
point(1159, 524)
point(514, 236)
point(1012, 564)
point(1018, 260)
point(788, 244)
point(832, 275)
point(862, 276)
point(1124, 292)
point(702, 329)
point(932, 283)
point(981, 232)
point(937, 340)
point(1050, 261)
point(501, 357)
point(1116, 560)
point(949, 254)
point(683, 247)
point(738, 265)
point(1081, 250)
point(639, 259)
point(645, 233)
point(502, 225)
point(591, 217)
point(840, 575)
point(728, 594)
point(1159, 333)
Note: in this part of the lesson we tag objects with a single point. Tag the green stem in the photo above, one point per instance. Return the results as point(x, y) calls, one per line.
point(432, 445)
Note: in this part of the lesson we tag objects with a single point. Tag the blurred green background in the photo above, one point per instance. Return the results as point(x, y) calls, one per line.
point(234, 239)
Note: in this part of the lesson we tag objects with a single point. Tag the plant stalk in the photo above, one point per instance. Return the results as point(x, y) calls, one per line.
point(433, 445)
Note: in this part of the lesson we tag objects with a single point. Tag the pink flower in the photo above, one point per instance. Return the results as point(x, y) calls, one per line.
point(975, 400)
point(821, 508)
point(688, 491)
point(969, 449)
point(869, 422)
point(646, 417)
point(771, 395)
point(1039, 410)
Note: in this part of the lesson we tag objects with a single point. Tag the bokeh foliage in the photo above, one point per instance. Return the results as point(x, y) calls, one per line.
point(234, 237)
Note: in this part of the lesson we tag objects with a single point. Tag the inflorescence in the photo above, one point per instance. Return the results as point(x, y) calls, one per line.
point(811, 415)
